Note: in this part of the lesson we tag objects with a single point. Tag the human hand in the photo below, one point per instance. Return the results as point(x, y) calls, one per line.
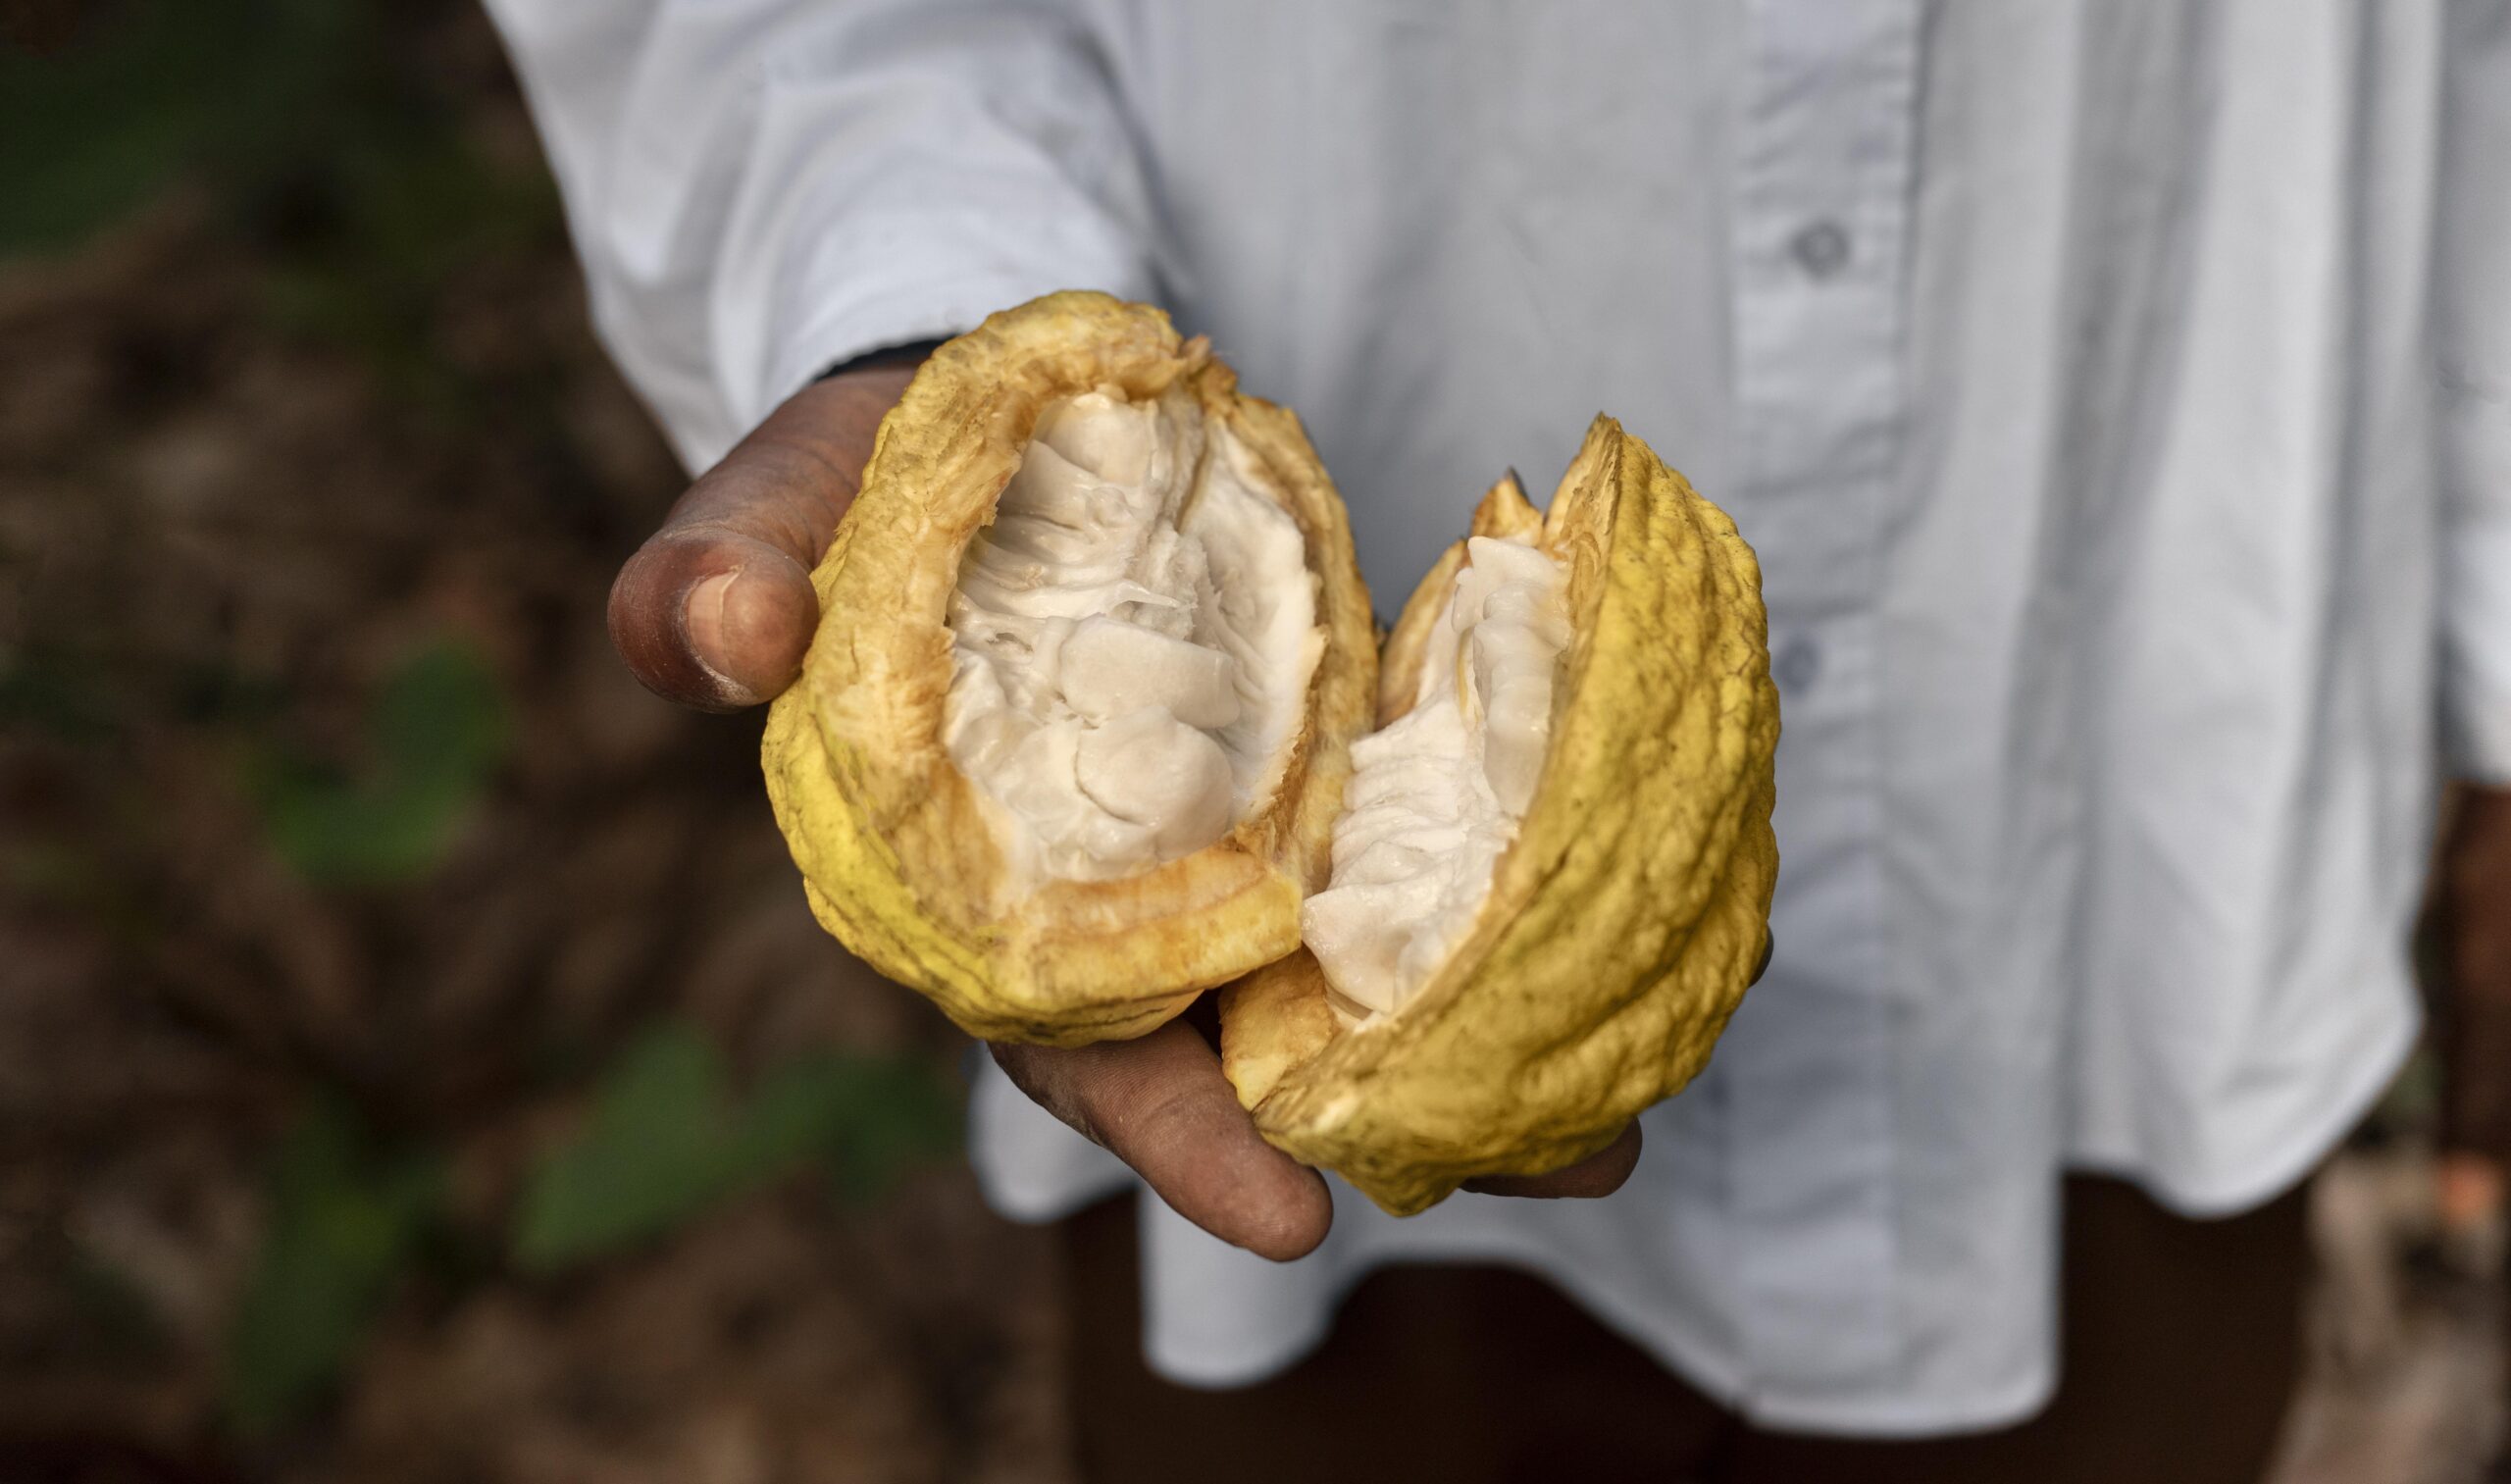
point(1161, 1104)
point(715, 611)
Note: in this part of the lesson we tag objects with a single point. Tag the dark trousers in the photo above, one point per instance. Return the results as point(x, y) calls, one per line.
point(2182, 1346)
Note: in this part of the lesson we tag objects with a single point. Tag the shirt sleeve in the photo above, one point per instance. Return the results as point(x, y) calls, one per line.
point(2473, 336)
point(762, 188)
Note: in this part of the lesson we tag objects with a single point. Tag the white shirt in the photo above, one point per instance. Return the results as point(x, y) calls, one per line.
point(2119, 396)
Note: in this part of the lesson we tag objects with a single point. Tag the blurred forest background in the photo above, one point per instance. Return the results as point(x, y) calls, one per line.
point(416, 1060)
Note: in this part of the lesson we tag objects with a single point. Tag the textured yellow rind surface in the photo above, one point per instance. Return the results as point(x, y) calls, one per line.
point(895, 850)
point(1624, 921)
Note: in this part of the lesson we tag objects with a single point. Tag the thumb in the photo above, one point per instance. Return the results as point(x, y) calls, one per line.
point(1161, 1105)
point(716, 608)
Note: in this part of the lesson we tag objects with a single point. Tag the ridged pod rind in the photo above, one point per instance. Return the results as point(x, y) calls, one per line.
point(898, 855)
point(1625, 919)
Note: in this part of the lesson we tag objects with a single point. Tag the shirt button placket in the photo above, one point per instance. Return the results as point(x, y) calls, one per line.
point(1827, 127)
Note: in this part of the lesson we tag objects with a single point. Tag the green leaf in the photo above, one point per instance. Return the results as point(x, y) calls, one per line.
point(341, 1222)
point(652, 1154)
point(893, 1116)
point(441, 716)
point(867, 1120)
point(157, 88)
point(666, 1141)
point(48, 692)
point(434, 739)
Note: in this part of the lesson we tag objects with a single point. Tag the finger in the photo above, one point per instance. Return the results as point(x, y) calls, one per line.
point(716, 608)
point(1162, 1105)
point(1599, 1174)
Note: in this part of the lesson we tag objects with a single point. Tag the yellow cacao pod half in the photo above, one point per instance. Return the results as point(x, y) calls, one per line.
point(1551, 876)
point(1070, 741)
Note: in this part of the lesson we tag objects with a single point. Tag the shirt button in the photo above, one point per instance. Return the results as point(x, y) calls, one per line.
point(1822, 249)
point(1799, 660)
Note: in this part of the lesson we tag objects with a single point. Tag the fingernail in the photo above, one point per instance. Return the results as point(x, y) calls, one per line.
point(701, 615)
